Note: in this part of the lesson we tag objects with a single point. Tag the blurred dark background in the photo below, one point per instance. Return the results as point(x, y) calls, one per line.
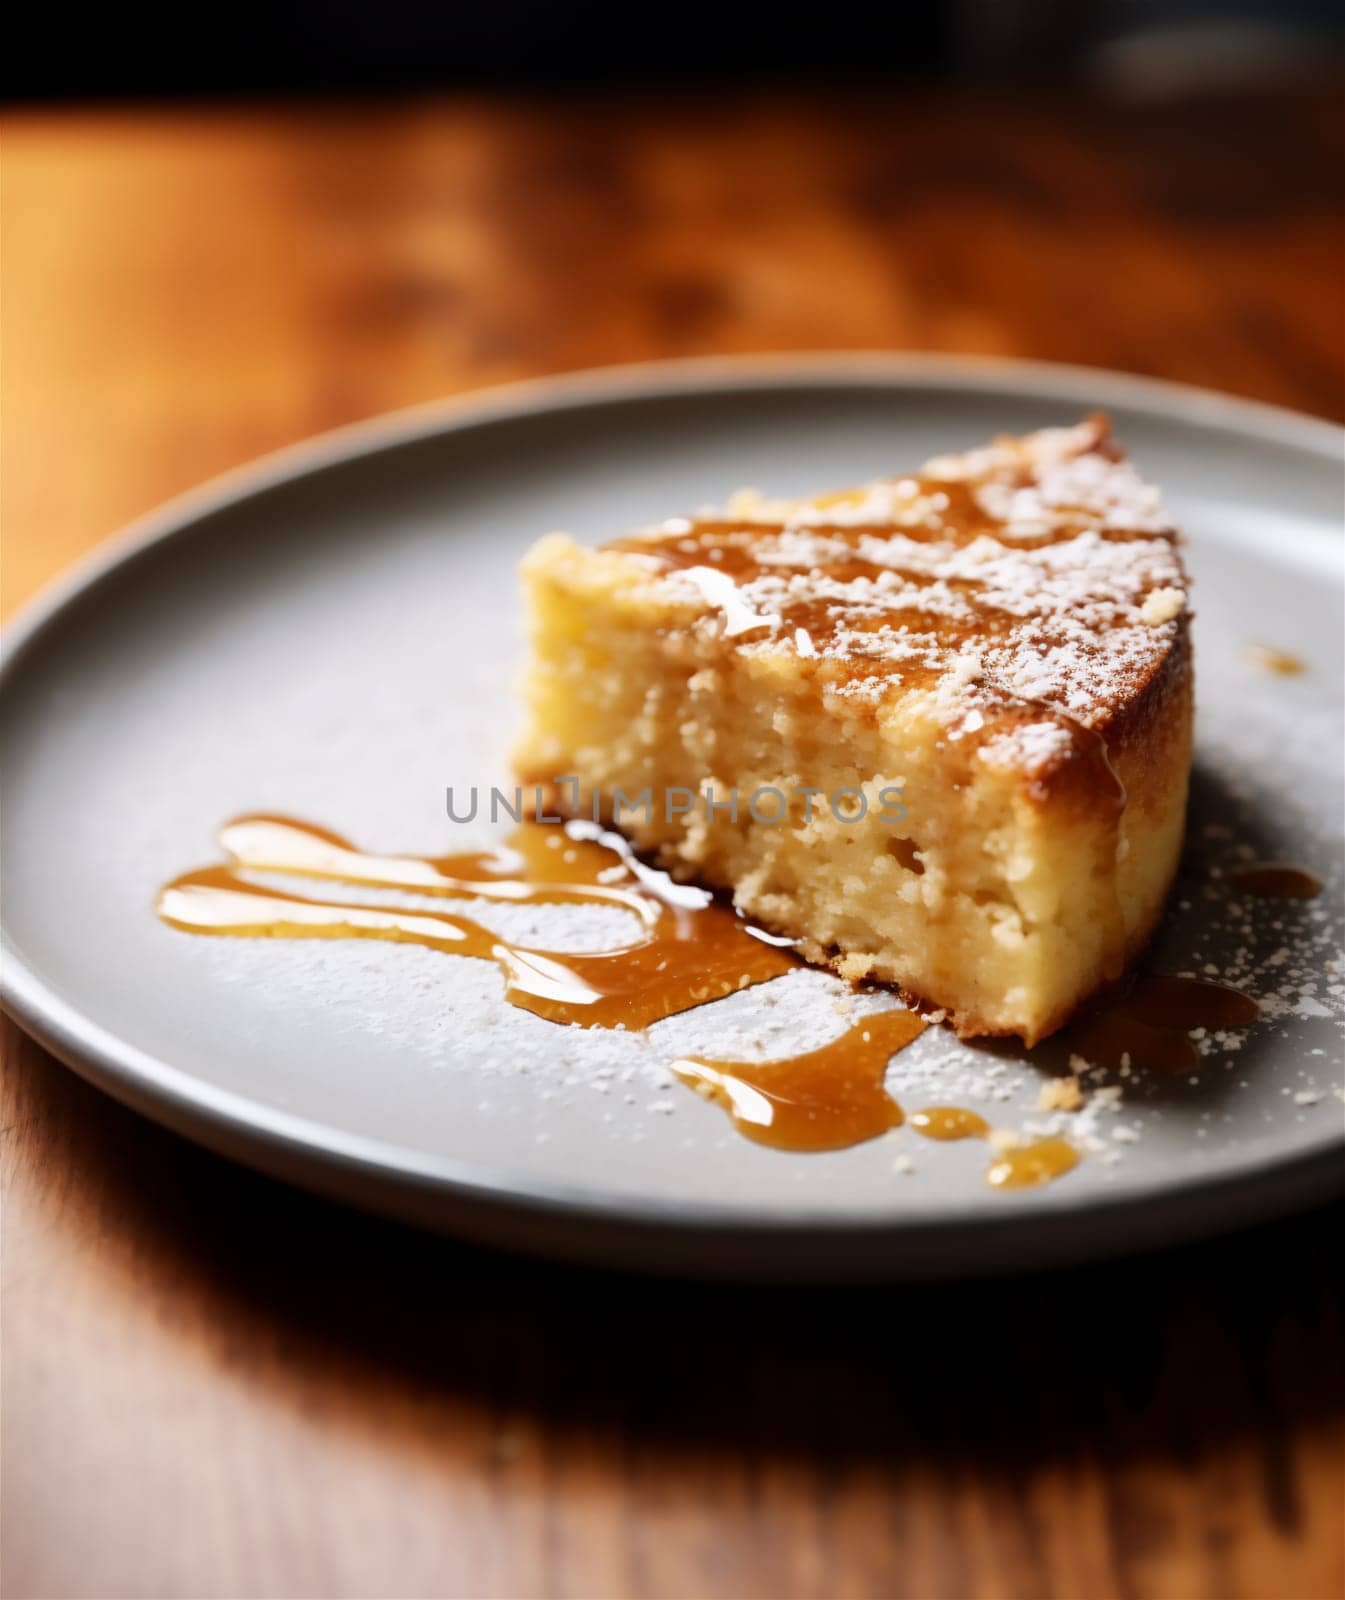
point(1151, 46)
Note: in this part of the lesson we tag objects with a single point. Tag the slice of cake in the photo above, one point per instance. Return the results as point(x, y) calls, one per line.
point(989, 659)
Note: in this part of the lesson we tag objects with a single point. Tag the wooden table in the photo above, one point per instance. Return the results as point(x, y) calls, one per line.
point(215, 1386)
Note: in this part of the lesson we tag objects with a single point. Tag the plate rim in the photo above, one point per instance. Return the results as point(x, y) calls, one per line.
point(221, 1119)
point(640, 380)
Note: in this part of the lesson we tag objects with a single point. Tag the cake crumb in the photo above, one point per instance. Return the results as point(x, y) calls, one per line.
point(854, 967)
point(1060, 1094)
point(1162, 605)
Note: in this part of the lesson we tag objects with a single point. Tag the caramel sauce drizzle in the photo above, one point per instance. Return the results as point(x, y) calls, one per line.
point(824, 1100)
point(1150, 1023)
point(727, 548)
point(687, 950)
point(835, 1097)
point(1024, 1166)
point(1272, 880)
point(1019, 1166)
point(949, 1122)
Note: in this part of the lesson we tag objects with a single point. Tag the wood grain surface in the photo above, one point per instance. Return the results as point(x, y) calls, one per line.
point(215, 1386)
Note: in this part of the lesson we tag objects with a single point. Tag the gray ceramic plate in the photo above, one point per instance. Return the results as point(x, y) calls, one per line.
point(333, 634)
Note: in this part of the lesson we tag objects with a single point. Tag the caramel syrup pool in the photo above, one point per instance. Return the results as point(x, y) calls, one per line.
point(835, 1096)
point(684, 950)
point(688, 948)
point(1149, 1022)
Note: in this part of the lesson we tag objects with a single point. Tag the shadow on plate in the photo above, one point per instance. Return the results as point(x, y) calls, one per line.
point(1196, 930)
